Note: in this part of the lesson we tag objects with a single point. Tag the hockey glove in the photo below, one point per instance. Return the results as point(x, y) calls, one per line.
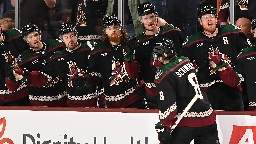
point(8, 71)
point(218, 63)
point(23, 74)
point(129, 49)
point(163, 133)
point(81, 82)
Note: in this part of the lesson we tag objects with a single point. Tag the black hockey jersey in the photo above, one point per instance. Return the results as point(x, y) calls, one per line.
point(15, 44)
point(118, 76)
point(251, 40)
point(177, 84)
point(144, 53)
point(53, 94)
point(60, 64)
point(229, 41)
point(245, 66)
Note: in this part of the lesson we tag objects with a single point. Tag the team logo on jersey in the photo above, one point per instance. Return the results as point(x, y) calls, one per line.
point(119, 74)
point(81, 15)
point(224, 58)
point(225, 40)
point(74, 72)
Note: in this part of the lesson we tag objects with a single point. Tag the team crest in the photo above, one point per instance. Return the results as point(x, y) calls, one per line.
point(119, 74)
point(223, 57)
point(74, 72)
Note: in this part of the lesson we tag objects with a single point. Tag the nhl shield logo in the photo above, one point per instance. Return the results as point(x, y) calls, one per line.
point(158, 74)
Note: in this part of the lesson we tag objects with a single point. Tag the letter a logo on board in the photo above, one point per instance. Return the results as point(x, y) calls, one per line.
point(243, 135)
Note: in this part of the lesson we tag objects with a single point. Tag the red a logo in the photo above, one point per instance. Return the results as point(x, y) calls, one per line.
point(243, 135)
point(4, 140)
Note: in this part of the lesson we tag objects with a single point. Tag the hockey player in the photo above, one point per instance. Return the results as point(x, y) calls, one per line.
point(11, 41)
point(228, 41)
point(33, 59)
point(177, 85)
point(149, 19)
point(113, 58)
point(246, 59)
point(70, 64)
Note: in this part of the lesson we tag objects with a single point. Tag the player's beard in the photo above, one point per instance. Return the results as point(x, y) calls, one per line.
point(210, 29)
point(114, 37)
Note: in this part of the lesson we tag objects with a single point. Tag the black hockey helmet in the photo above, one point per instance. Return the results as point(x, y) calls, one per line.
point(27, 29)
point(164, 48)
point(146, 8)
point(207, 10)
point(66, 28)
point(110, 20)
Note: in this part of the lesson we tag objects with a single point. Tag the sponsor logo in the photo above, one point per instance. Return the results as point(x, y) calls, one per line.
point(4, 140)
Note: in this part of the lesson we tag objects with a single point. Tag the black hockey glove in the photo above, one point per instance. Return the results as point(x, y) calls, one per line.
point(129, 49)
point(81, 82)
point(8, 71)
point(218, 61)
point(163, 133)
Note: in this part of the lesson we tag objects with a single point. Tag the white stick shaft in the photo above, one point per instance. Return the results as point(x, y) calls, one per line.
point(191, 103)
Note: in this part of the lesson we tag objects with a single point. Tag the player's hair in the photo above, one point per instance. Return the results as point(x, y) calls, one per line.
point(10, 22)
point(124, 37)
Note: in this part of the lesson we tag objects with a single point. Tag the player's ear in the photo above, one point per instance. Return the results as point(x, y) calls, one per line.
point(160, 59)
point(200, 21)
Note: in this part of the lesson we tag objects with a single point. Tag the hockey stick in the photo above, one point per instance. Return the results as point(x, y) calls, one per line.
point(193, 81)
point(191, 103)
